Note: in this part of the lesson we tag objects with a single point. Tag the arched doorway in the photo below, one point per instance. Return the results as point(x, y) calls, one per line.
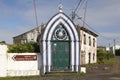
point(60, 47)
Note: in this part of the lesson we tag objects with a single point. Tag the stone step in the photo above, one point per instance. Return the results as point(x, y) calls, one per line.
point(60, 73)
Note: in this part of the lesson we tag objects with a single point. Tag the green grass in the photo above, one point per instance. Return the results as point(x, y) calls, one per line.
point(22, 78)
point(111, 61)
point(56, 75)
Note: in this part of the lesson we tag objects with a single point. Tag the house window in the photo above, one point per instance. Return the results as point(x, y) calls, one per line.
point(93, 56)
point(93, 42)
point(84, 39)
point(89, 41)
point(89, 58)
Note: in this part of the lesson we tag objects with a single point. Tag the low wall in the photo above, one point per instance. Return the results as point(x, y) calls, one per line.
point(3, 60)
point(19, 64)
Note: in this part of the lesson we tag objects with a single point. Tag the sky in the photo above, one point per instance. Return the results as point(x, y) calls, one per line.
point(102, 16)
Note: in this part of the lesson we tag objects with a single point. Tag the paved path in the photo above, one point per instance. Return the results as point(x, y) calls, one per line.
point(118, 65)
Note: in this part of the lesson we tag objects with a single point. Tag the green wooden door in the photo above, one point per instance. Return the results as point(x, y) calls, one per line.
point(60, 55)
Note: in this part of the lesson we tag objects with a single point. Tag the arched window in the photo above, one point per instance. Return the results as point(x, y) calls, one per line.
point(93, 42)
point(89, 58)
point(93, 56)
point(89, 41)
point(84, 39)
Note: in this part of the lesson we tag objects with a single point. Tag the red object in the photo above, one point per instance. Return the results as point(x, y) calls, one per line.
point(24, 57)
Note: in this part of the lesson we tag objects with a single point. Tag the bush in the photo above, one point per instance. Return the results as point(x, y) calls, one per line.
point(103, 55)
point(22, 48)
point(117, 52)
point(3, 42)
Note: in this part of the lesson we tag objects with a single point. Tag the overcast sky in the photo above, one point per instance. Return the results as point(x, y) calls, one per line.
point(17, 17)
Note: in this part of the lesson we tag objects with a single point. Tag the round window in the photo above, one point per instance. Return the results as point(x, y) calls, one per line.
point(60, 33)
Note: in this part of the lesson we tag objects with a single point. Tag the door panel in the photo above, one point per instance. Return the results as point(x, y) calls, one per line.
point(60, 55)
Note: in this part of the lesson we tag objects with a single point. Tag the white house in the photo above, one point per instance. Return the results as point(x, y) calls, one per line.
point(64, 46)
point(88, 46)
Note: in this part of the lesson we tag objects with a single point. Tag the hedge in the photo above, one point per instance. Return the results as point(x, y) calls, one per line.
point(24, 48)
point(117, 52)
point(104, 55)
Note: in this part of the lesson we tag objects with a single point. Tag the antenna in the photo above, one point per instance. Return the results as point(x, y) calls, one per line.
point(114, 46)
point(73, 15)
point(84, 18)
point(36, 16)
point(74, 11)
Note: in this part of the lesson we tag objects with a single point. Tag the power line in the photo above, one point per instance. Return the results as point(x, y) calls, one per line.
point(80, 6)
point(87, 25)
point(84, 22)
point(74, 11)
point(109, 40)
point(77, 6)
point(84, 18)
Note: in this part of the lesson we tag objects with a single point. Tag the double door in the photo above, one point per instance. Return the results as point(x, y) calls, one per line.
point(60, 55)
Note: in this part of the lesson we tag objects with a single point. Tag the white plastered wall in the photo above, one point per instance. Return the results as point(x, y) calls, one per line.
point(3, 61)
point(11, 67)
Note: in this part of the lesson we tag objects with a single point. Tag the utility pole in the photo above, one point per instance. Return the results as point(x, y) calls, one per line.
point(114, 45)
point(109, 45)
point(37, 29)
point(74, 11)
point(73, 15)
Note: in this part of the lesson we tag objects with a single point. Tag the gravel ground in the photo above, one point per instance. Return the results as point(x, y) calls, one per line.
point(98, 72)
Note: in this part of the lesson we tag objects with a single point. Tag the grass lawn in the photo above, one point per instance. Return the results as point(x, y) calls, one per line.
point(111, 61)
point(22, 78)
point(57, 75)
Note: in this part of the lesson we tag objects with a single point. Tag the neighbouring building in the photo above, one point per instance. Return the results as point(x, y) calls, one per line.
point(64, 46)
point(101, 48)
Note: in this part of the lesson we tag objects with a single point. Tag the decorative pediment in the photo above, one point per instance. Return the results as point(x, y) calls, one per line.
point(60, 18)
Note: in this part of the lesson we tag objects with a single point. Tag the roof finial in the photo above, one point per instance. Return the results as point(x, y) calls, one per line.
point(60, 7)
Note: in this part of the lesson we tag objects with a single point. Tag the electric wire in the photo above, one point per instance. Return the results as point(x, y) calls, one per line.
point(77, 6)
point(108, 39)
point(80, 6)
point(85, 24)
